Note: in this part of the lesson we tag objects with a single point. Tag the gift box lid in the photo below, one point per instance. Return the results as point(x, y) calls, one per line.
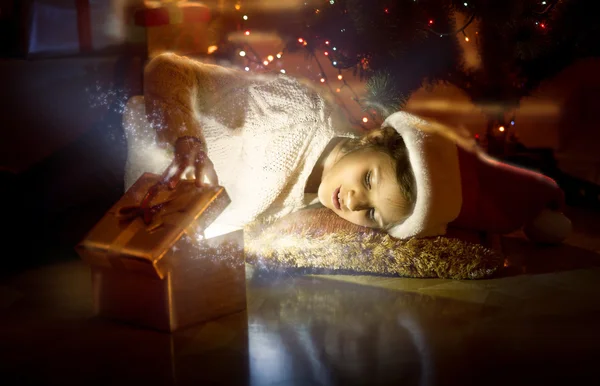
point(128, 243)
point(157, 13)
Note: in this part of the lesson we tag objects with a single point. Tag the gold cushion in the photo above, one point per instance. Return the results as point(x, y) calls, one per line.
point(318, 241)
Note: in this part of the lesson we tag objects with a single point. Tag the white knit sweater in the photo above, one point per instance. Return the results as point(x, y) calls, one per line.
point(264, 137)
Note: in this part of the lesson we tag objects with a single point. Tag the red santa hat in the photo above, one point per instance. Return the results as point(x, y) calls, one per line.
point(471, 190)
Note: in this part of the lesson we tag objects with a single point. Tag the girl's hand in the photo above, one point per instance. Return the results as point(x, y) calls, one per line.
point(190, 152)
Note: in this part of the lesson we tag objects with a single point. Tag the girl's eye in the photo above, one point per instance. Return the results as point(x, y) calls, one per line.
point(368, 179)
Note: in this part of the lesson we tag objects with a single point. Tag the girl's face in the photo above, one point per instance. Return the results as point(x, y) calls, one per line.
point(362, 187)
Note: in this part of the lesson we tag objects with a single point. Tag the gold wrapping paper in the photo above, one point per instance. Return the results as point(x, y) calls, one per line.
point(130, 244)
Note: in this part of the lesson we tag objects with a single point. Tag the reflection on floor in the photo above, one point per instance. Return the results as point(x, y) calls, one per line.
point(537, 323)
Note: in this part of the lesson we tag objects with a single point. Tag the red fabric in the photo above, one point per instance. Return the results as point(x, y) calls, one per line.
point(501, 198)
point(84, 25)
point(153, 17)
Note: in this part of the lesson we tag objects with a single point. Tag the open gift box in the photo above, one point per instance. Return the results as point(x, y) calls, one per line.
point(165, 275)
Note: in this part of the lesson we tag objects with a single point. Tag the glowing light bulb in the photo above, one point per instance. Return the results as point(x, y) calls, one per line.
point(282, 71)
point(334, 63)
point(242, 53)
point(501, 129)
point(331, 2)
point(335, 48)
point(430, 22)
point(466, 5)
point(305, 43)
point(327, 42)
point(365, 119)
point(247, 33)
point(543, 25)
point(270, 58)
point(266, 62)
point(245, 17)
point(247, 68)
point(337, 90)
point(326, 53)
point(322, 80)
point(212, 49)
point(300, 40)
point(279, 55)
point(340, 77)
point(512, 123)
point(237, 7)
point(466, 38)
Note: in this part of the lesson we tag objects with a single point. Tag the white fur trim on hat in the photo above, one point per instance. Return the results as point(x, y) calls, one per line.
point(434, 161)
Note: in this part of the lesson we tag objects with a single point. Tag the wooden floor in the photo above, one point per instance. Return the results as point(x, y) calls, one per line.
point(536, 323)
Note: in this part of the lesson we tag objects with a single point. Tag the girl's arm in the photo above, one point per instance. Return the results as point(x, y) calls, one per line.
point(176, 88)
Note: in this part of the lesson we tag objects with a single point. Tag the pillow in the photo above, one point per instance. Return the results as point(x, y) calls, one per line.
point(318, 241)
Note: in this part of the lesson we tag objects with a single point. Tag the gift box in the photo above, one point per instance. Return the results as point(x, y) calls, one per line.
point(67, 27)
point(158, 271)
point(177, 26)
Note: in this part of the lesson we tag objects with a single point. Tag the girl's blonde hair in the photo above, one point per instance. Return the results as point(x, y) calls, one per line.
point(388, 141)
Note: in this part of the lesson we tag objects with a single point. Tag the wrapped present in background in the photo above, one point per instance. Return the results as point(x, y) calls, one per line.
point(156, 272)
point(67, 27)
point(174, 26)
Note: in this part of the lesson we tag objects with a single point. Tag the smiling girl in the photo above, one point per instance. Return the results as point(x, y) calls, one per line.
point(277, 146)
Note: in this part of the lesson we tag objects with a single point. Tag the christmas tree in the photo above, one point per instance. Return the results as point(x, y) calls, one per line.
point(399, 46)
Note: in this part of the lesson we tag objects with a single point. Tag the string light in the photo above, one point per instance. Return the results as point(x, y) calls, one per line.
point(247, 33)
point(501, 129)
point(266, 62)
point(270, 58)
point(322, 80)
point(237, 7)
point(365, 119)
point(326, 53)
point(300, 40)
point(327, 42)
point(279, 55)
point(331, 2)
point(242, 53)
point(430, 21)
point(282, 71)
point(212, 49)
point(466, 5)
point(340, 77)
point(466, 39)
point(245, 17)
point(543, 25)
point(512, 123)
point(337, 90)
point(334, 63)
point(247, 68)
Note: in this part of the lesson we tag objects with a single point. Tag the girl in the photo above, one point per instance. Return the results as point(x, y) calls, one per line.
point(277, 146)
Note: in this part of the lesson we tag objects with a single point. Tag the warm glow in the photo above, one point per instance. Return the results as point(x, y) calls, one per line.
point(501, 129)
point(212, 49)
point(245, 17)
point(247, 68)
point(270, 58)
point(247, 33)
point(282, 71)
point(466, 38)
point(337, 90)
point(242, 53)
point(322, 80)
point(365, 119)
point(326, 53)
point(300, 40)
point(279, 55)
point(430, 21)
point(340, 77)
point(266, 62)
point(327, 42)
point(237, 7)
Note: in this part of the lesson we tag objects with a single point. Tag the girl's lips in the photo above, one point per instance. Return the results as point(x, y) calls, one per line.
point(335, 200)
